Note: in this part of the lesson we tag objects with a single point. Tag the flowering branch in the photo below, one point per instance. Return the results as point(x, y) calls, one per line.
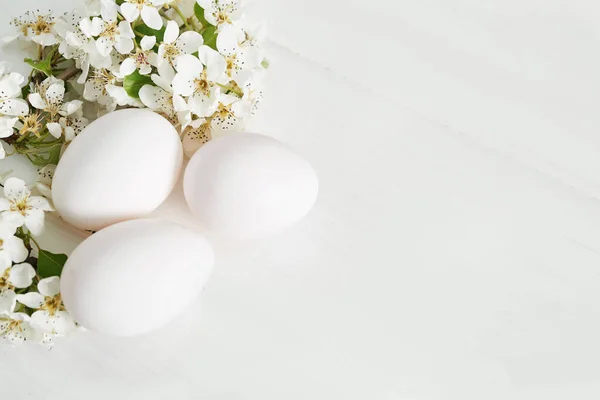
point(203, 74)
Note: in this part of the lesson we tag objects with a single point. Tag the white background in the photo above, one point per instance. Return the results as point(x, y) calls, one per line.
point(454, 252)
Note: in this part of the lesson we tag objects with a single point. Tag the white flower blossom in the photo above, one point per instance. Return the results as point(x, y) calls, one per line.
point(7, 125)
point(252, 34)
point(162, 99)
point(49, 97)
point(95, 88)
point(174, 45)
point(8, 300)
point(43, 182)
point(110, 34)
point(69, 126)
point(15, 328)
point(70, 34)
point(241, 61)
point(230, 112)
point(12, 248)
point(36, 27)
point(76, 45)
point(121, 97)
point(18, 276)
point(107, 9)
point(221, 12)
point(51, 316)
point(196, 135)
point(21, 208)
point(229, 116)
point(132, 9)
point(143, 59)
point(11, 105)
point(198, 79)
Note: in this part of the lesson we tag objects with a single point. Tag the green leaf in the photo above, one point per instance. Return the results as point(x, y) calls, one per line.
point(43, 66)
point(134, 82)
point(199, 13)
point(210, 37)
point(119, 2)
point(50, 157)
point(147, 31)
point(50, 264)
point(54, 154)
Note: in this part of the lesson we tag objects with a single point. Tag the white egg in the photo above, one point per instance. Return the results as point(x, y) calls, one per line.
point(249, 185)
point(122, 166)
point(135, 276)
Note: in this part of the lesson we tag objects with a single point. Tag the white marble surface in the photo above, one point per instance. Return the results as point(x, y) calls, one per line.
point(454, 252)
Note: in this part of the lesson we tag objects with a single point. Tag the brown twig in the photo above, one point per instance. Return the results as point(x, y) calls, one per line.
point(68, 73)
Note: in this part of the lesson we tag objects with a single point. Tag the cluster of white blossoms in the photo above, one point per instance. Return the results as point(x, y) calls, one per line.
point(31, 308)
point(199, 63)
point(201, 71)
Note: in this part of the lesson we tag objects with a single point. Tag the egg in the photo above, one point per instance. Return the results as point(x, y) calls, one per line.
point(249, 186)
point(122, 166)
point(136, 276)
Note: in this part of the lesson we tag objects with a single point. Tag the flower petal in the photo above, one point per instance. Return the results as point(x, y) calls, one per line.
point(49, 287)
point(45, 39)
point(46, 174)
point(32, 299)
point(55, 93)
point(125, 30)
point(15, 189)
point(104, 46)
point(40, 203)
point(71, 107)
point(171, 32)
point(14, 107)
point(109, 10)
point(151, 17)
point(97, 26)
point(21, 275)
point(8, 301)
point(151, 96)
point(130, 11)
point(15, 248)
point(35, 99)
point(190, 41)
point(13, 218)
point(145, 69)
point(183, 85)
point(55, 129)
point(124, 45)
point(63, 323)
point(5, 262)
point(228, 40)
point(202, 105)
point(86, 27)
point(215, 62)
point(34, 221)
point(196, 137)
point(41, 320)
point(7, 126)
point(148, 42)
point(119, 94)
point(188, 65)
point(127, 67)
point(46, 190)
point(179, 103)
